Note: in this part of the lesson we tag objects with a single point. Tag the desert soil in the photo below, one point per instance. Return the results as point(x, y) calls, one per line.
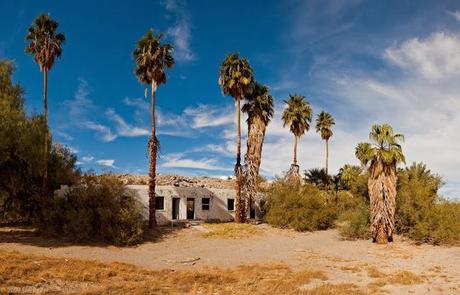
point(398, 268)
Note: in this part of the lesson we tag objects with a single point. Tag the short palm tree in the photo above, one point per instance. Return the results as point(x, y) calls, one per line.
point(152, 59)
point(318, 177)
point(260, 111)
point(45, 45)
point(236, 80)
point(297, 115)
point(324, 123)
point(381, 157)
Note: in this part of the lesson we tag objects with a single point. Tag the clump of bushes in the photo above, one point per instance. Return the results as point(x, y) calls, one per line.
point(301, 207)
point(354, 222)
point(420, 213)
point(98, 208)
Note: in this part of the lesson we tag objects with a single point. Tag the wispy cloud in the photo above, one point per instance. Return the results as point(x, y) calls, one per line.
point(87, 158)
point(107, 163)
point(104, 132)
point(209, 116)
point(123, 128)
point(178, 160)
point(455, 14)
point(181, 31)
point(434, 58)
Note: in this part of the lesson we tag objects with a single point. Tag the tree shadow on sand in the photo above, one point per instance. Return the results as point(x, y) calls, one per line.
point(27, 235)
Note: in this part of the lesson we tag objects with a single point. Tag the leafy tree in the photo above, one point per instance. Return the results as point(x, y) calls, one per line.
point(260, 110)
point(324, 123)
point(45, 45)
point(152, 59)
point(236, 79)
point(382, 157)
point(297, 115)
point(21, 152)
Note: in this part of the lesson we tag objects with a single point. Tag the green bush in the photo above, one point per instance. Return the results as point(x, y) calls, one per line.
point(354, 222)
point(302, 207)
point(97, 209)
point(420, 213)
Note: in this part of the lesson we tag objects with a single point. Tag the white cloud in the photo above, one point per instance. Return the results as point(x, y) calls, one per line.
point(104, 132)
point(434, 58)
point(123, 128)
point(87, 158)
point(209, 116)
point(181, 31)
point(455, 14)
point(107, 163)
point(177, 160)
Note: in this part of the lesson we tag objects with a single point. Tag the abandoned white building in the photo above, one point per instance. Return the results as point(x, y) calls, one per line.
point(191, 203)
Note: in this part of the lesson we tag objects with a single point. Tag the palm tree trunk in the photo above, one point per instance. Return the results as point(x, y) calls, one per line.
point(256, 134)
point(382, 194)
point(153, 148)
point(327, 156)
point(240, 214)
point(45, 156)
point(295, 150)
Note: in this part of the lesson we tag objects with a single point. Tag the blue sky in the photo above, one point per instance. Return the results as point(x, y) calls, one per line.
point(365, 62)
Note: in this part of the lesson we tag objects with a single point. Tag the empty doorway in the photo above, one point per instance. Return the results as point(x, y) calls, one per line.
point(175, 208)
point(190, 208)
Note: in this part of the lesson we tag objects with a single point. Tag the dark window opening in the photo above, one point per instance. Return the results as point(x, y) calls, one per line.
point(159, 203)
point(205, 202)
point(231, 204)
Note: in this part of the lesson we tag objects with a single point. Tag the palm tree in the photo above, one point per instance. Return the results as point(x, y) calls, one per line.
point(297, 115)
point(152, 59)
point(318, 177)
point(260, 110)
point(381, 157)
point(324, 123)
point(236, 79)
point(45, 45)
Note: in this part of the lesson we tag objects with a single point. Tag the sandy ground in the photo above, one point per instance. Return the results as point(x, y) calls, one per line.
point(342, 261)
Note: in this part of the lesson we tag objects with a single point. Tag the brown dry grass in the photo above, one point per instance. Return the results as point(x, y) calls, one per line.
point(231, 230)
point(403, 277)
point(20, 273)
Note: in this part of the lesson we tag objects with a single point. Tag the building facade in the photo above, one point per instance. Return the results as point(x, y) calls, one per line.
point(188, 203)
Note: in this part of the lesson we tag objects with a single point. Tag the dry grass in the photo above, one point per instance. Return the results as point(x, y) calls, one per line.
point(403, 277)
point(20, 273)
point(231, 230)
point(374, 272)
point(336, 289)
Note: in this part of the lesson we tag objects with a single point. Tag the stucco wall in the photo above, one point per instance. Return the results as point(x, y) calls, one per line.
point(218, 202)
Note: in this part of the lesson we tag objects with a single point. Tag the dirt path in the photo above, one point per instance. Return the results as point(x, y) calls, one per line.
point(402, 267)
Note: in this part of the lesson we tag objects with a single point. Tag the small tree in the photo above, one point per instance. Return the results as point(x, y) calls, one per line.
point(324, 123)
point(381, 157)
point(297, 115)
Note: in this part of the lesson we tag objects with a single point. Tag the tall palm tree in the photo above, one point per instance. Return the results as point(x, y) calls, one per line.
point(297, 115)
point(152, 59)
point(45, 45)
point(236, 79)
point(324, 123)
point(381, 157)
point(260, 110)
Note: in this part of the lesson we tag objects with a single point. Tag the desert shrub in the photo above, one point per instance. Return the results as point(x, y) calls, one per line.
point(301, 207)
point(354, 221)
point(98, 208)
point(420, 213)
